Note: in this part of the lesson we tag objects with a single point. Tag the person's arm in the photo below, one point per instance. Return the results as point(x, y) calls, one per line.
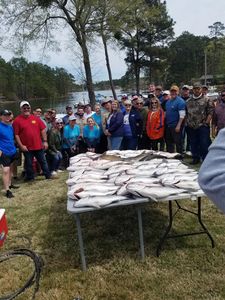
point(214, 124)
point(182, 113)
point(51, 143)
point(209, 111)
point(44, 138)
point(212, 172)
point(178, 127)
point(22, 147)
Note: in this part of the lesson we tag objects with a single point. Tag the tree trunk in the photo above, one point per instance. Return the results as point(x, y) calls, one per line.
point(108, 66)
point(79, 31)
point(87, 67)
point(81, 39)
point(137, 77)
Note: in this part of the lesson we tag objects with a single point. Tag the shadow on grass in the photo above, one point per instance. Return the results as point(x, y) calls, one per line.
point(106, 234)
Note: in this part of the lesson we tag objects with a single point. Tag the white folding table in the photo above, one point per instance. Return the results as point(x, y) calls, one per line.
point(77, 211)
point(196, 196)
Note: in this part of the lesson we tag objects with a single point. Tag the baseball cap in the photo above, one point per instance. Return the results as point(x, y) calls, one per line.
point(135, 97)
point(158, 87)
point(59, 121)
point(105, 100)
point(5, 112)
point(72, 118)
point(68, 106)
point(174, 88)
point(127, 101)
point(166, 92)
point(22, 103)
point(197, 85)
point(185, 87)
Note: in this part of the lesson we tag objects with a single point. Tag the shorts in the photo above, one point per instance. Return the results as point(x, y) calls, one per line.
point(6, 160)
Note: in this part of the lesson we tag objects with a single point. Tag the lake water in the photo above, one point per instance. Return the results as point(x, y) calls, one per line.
point(58, 104)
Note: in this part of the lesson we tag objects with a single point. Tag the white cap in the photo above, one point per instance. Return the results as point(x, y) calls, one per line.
point(59, 120)
point(106, 100)
point(128, 101)
point(167, 92)
point(22, 103)
point(71, 118)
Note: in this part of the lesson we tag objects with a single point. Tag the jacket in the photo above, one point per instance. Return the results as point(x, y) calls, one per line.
point(211, 176)
point(115, 126)
point(155, 124)
point(136, 122)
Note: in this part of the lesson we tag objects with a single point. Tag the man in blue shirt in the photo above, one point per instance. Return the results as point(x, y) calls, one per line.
point(175, 114)
point(7, 150)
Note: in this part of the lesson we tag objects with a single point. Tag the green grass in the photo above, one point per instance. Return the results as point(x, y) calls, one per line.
point(188, 268)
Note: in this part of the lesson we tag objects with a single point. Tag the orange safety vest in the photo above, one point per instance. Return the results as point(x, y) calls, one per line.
point(155, 124)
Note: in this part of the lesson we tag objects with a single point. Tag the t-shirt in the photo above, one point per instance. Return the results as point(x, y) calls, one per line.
point(7, 145)
point(29, 131)
point(126, 125)
point(98, 121)
point(91, 134)
point(173, 107)
point(70, 135)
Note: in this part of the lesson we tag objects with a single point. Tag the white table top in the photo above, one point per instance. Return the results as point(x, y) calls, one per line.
point(76, 210)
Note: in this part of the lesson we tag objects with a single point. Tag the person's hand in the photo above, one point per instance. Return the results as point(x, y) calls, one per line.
point(0, 153)
point(107, 132)
point(177, 129)
point(45, 145)
point(24, 148)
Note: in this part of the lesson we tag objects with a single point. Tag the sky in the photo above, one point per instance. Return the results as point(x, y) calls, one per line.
point(190, 15)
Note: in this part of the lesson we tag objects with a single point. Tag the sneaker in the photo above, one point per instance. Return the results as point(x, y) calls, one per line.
point(195, 161)
point(60, 171)
point(12, 186)
point(9, 194)
point(54, 173)
point(188, 153)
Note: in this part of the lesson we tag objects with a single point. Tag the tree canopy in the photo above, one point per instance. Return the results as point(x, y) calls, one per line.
point(23, 80)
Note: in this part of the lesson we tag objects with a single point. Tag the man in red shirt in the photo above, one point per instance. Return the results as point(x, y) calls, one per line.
point(30, 135)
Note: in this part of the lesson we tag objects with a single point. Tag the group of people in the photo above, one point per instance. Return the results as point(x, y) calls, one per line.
point(171, 120)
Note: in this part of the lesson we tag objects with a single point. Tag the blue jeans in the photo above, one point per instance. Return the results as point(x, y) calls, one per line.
point(115, 142)
point(54, 161)
point(129, 143)
point(40, 156)
point(199, 141)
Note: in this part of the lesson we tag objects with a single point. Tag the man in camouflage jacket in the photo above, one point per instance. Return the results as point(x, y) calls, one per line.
point(199, 114)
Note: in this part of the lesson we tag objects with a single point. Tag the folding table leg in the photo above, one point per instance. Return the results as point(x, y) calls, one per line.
point(201, 223)
point(162, 240)
point(141, 238)
point(81, 245)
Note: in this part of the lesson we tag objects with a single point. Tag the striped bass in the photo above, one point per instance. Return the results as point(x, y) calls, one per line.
point(153, 192)
point(99, 202)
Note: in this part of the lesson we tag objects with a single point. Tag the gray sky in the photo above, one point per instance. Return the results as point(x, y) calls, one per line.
point(190, 15)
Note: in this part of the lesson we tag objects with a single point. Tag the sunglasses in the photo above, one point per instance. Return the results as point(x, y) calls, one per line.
point(139, 103)
point(154, 102)
point(59, 123)
point(26, 108)
point(127, 105)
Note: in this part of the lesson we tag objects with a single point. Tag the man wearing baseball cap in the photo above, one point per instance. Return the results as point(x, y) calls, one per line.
point(175, 114)
point(7, 150)
point(30, 135)
point(199, 114)
point(69, 112)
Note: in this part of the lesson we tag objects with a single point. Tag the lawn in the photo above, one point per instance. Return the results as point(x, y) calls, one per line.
point(188, 268)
